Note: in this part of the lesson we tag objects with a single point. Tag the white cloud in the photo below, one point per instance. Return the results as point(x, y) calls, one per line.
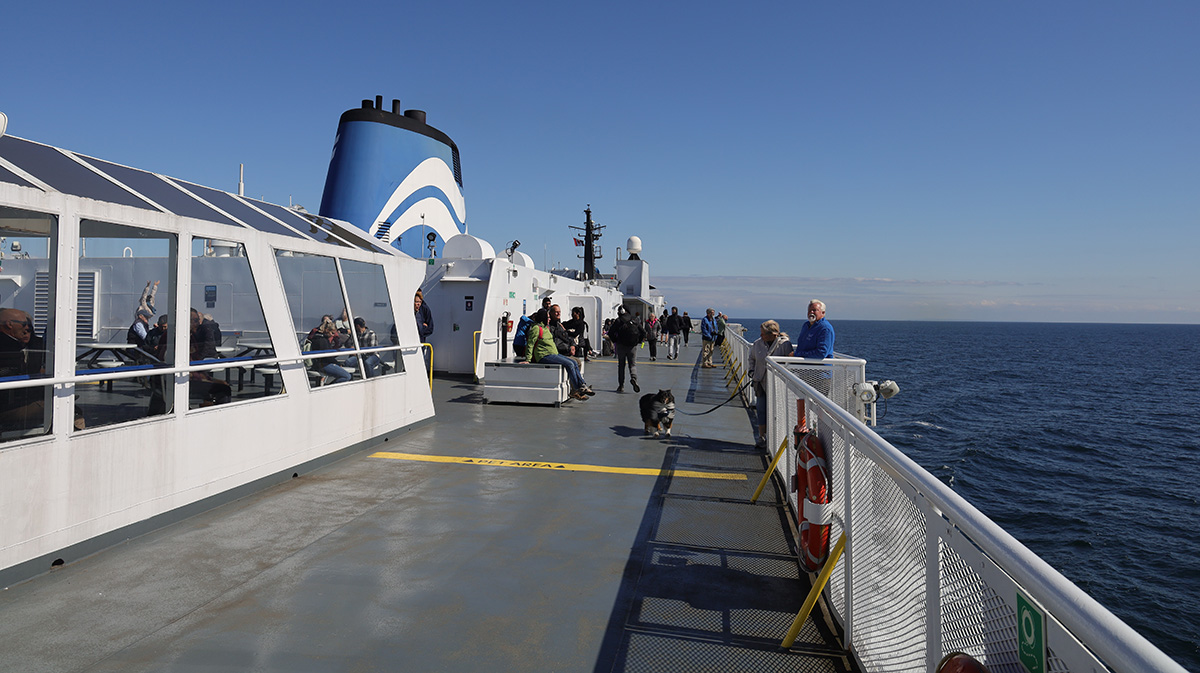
point(1078, 300)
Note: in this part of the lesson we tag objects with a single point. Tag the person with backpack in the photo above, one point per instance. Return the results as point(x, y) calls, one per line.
point(521, 336)
point(626, 334)
point(541, 348)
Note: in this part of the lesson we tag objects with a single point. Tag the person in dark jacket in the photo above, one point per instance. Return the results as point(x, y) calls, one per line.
point(206, 336)
point(577, 327)
point(424, 318)
point(626, 334)
point(563, 340)
point(673, 326)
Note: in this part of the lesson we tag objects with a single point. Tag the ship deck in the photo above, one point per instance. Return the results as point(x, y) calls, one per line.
point(496, 537)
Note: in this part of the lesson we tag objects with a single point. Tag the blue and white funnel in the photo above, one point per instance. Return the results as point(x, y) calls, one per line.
point(388, 169)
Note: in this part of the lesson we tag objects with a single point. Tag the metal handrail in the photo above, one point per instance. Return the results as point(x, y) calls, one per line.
point(1085, 619)
point(138, 371)
point(1089, 621)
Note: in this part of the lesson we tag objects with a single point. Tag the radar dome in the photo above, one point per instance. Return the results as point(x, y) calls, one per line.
point(633, 245)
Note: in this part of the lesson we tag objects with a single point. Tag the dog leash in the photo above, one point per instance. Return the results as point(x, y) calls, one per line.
point(731, 398)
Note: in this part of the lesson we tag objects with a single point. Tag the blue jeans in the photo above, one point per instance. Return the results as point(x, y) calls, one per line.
point(370, 360)
point(335, 370)
point(573, 374)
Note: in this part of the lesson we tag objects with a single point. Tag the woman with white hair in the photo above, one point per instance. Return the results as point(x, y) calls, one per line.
point(771, 341)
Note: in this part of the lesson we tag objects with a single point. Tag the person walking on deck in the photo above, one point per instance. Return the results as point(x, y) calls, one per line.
point(652, 336)
point(673, 326)
point(708, 334)
point(625, 334)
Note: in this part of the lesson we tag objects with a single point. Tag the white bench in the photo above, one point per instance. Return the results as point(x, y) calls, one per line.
point(525, 383)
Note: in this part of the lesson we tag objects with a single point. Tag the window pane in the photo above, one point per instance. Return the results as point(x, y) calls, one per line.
point(126, 280)
point(226, 323)
point(27, 241)
point(374, 319)
point(319, 316)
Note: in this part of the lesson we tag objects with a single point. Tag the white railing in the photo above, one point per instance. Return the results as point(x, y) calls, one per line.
point(924, 573)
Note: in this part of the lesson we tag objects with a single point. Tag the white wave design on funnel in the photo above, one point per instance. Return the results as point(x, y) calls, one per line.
point(433, 172)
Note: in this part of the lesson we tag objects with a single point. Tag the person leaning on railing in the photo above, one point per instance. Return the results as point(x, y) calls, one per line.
point(770, 342)
point(816, 336)
point(816, 341)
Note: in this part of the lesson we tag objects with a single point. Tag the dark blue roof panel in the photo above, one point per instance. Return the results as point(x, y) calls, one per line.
point(63, 173)
point(241, 211)
point(8, 176)
point(159, 191)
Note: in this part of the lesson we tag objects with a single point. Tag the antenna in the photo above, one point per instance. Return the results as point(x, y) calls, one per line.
point(241, 179)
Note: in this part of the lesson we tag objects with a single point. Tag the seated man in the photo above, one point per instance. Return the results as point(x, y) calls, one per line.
point(137, 332)
point(367, 339)
point(22, 354)
point(541, 349)
point(203, 341)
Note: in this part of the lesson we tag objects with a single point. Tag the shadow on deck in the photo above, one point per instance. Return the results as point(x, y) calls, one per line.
point(712, 581)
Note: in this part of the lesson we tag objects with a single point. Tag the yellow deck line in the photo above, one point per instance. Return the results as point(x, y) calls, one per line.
point(568, 467)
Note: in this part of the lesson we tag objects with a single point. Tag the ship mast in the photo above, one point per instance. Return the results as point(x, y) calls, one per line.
point(591, 252)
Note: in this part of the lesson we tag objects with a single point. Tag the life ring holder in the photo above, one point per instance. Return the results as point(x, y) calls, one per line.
point(960, 662)
point(813, 494)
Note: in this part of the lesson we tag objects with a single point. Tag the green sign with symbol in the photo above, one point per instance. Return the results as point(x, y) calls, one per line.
point(1031, 635)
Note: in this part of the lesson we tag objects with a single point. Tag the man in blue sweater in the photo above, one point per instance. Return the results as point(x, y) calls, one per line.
point(708, 333)
point(816, 335)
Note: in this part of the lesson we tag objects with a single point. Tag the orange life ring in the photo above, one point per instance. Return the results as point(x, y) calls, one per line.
point(812, 471)
point(960, 662)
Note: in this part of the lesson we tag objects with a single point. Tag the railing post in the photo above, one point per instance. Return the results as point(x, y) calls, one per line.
point(933, 585)
point(847, 527)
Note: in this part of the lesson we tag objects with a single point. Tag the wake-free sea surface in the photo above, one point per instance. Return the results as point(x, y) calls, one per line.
point(1080, 440)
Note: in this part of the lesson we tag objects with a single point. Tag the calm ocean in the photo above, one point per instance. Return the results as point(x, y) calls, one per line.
point(1078, 439)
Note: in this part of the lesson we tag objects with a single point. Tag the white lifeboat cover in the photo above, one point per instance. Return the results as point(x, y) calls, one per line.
point(466, 246)
point(521, 259)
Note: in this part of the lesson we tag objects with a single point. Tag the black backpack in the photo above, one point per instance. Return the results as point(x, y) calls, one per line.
point(628, 333)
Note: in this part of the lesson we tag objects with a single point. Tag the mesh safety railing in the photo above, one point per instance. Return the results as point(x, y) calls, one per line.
point(924, 572)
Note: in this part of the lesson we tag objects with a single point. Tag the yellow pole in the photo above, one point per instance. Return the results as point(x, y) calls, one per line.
point(766, 477)
point(430, 346)
point(739, 382)
point(815, 593)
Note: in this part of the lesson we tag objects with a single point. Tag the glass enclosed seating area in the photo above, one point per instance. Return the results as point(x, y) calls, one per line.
point(135, 335)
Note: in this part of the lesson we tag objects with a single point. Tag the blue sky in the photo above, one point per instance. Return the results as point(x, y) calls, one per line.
point(937, 160)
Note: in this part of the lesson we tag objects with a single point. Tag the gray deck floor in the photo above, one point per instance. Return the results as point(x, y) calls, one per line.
point(402, 564)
